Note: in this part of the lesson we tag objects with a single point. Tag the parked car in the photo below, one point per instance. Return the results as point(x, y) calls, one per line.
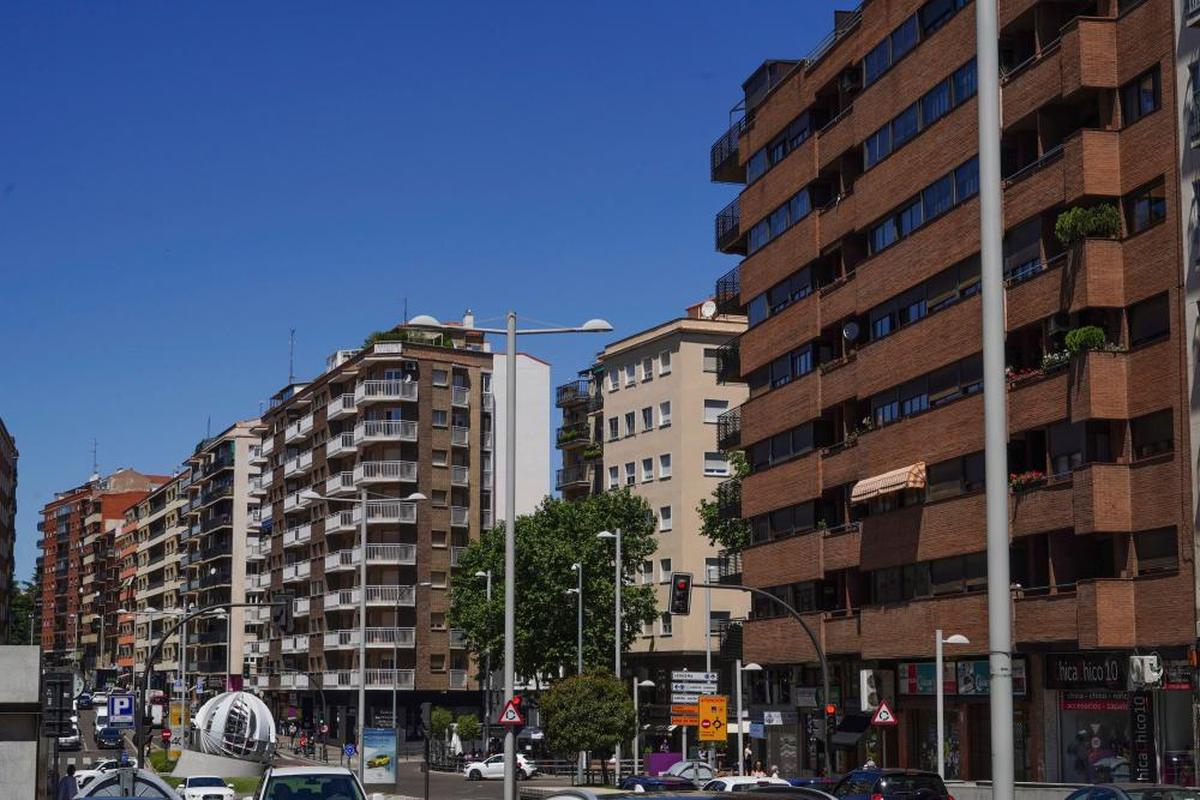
point(205, 787)
point(83, 702)
point(742, 783)
point(890, 784)
point(682, 776)
point(109, 764)
point(328, 783)
point(72, 741)
point(110, 738)
point(1135, 791)
point(493, 767)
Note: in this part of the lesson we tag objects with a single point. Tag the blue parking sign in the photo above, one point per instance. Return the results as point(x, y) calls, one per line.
point(350, 750)
point(120, 710)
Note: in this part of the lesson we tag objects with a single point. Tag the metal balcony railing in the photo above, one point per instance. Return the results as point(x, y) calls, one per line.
point(728, 227)
point(341, 406)
point(729, 499)
point(459, 476)
point(339, 444)
point(385, 471)
point(573, 393)
point(385, 430)
point(460, 396)
point(729, 429)
point(379, 511)
point(729, 567)
point(729, 362)
point(460, 516)
point(575, 475)
point(728, 292)
point(723, 155)
point(460, 436)
point(392, 595)
point(376, 391)
point(459, 679)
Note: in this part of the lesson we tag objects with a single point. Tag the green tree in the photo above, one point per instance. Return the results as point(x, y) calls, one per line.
point(731, 534)
point(548, 542)
point(20, 618)
point(592, 712)
point(439, 721)
point(468, 728)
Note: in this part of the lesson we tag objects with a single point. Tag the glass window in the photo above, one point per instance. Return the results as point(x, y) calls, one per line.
point(1153, 434)
point(944, 479)
point(441, 418)
point(710, 359)
point(802, 438)
point(1157, 551)
point(802, 361)
point(1149, 320)
point(799, 206)
point(935, 104)
point(664, 362)
point(966, 180)
point(911, 306)
point(964, 82)
point(630, 423)
point(910, 217)
point(877, 61)
point(781, 372)
point(970, 374)
point(938, 197)
point(801, 284)
point(664, 466)
point(1065, 446)
point(943, 385)
point(973, 469)
point(913, 398)
point(777, 150)
point(935, 14)
point(905, 38)
point(647, 469)
point(648, 368)
point(1146, 207)
point(664, 413)
point(779, 296)
point(440, 377)
point(883, 321)
point(877, 146)
point(648, 418)
point(630, 473)
point(779, 221)
point(715, 465)
point(713, 409)
point(756, 166)
point(614, 428)
point(664, 518)
point(1140, 96)
point(760, 455)
point(614, 477)
point(756, 311)
point(759, 236)
point(884, 235)
point(630, 374)
point(904, 126)
point(885, 407)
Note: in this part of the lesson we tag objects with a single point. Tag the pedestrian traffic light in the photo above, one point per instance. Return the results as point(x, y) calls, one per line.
point(681, 593)
point(281, 612)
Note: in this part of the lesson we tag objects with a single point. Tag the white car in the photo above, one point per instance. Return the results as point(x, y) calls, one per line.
point(85, 776)
point(205, 787)
point(71, 741)
point(494, 768)
point(741, 783)
point(697, 772)
point(327, 783)
point(109, 764)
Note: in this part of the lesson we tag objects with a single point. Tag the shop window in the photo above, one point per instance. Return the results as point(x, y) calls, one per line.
point(1157, 551)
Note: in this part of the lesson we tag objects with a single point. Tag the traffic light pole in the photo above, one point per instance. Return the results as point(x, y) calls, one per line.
point(825, 698)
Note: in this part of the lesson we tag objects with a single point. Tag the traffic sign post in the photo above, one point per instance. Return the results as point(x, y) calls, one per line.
point(714, 718)
point(511, 714)
point(121, 711)
point(883, 718)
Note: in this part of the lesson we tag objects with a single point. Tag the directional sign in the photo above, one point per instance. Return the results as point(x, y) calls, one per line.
point(685, 720)
point(713, 718)
point(511, 714)
point(703, 677)
point(884, 717)
point(696, 687)
point(685, 698)
point(120, 710)
point(350, 750)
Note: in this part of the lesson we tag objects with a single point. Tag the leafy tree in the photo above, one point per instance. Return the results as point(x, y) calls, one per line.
point(728, 534)
point(548, 542)
point(468, 728)
point(592, 711)
point(20, 617)
point(439, 721)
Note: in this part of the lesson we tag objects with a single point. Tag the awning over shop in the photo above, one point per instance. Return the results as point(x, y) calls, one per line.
point(897, 480)
point(851, 729)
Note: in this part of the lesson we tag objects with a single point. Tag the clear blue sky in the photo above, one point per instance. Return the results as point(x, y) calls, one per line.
point(181, 183)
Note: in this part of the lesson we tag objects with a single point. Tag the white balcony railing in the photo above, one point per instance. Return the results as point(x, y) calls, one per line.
point(292, 502)
point(260, 581)
point(376, 637)
point(257, 549)
point(380, 511)
point(339, 444)
point(341, 406)
point(295, 644)
point(385, 471)
point(376, 679)
point(301, 606)
point(340, 483)
point(341, 600)
point(381, 391)
point(459, 679)
point(391, 595)
point(298, 464)
point(268, 445)
point(460, 396)
point(460, 436)
point(385, 430)
point(456, 554)
point(256, 486)
point(341, 561)
point(299, 429)
point(297, 572)
point(293, 680)
point(297, 536)
point(458, 639)
point(267, 478)
point(405, 554)
point(339, 521)
point(460, 516)
point(338, 640)
point(460, 476)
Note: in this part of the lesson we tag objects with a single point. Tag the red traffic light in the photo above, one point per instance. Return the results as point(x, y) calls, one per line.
point(830, 709)
point(681, 593)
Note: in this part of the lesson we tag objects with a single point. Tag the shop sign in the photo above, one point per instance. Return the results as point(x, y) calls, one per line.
point(974, 678)
point(1086, 671)
point(1143, 763)
point(962, 678)
point(918, 678)
point(1177, 676)
point(1094, 701)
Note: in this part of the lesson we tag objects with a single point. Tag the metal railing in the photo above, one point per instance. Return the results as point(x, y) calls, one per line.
point(729, 499)
point(572, 392)
point(339, 443)
point(460, 396)
point(728, 292)
point(370, 391)
point(727, 225)
point(373, 471)
point(459, 516)
point(725, 148)
point(392, 595)
point(460, 436)
point(385, 429)
point(386, 511)
point(575, 475)
point(339, 482)
point(459, 476)
point(729, 362)
point(340, 406)
point(729, 429)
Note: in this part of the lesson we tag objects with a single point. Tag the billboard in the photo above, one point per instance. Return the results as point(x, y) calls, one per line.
point(379, 750)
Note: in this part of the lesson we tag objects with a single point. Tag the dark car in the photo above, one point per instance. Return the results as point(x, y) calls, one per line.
point(1135, 791)
point(656, 783)
point(821, 782)
point(83, 702)
point(110, 738)
point(890, 784)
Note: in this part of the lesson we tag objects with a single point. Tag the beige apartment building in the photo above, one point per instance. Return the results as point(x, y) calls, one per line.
point(161, 525)
point(646, 418)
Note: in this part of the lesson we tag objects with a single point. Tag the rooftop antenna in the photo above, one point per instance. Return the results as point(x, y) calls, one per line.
point(95, 461)
point(406, 310)
point(291, 356)
point(208, 427)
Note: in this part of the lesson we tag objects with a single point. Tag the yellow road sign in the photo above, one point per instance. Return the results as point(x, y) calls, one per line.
point(713, 717)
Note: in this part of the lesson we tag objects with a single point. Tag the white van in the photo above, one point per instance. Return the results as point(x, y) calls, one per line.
point(101, 717)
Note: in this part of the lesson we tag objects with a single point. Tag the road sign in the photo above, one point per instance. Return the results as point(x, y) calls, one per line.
point(694, 687)
point(511, 714)
point(686, 698)
point(685, 720)
point(120, 710)
point(883, 717)
point(685, 709)
point(713, 718)
point(350, 750)
point(684, 675)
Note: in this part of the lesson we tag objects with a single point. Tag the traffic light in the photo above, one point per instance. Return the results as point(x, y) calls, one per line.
point(681, 593)
point(281, 613)
point(830, 718)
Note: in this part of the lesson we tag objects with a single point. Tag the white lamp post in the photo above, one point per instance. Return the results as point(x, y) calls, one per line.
point(616, 537)
point(486, 574)
point(577, 568)
point(637, 720)
point(511, 333)
point(363, 498)
point(738, 669)
point(939, 640)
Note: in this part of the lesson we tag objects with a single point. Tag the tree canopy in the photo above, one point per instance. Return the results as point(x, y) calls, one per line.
point(548, 542)
point(731, 534)
point(592, 712)
point(20, 614)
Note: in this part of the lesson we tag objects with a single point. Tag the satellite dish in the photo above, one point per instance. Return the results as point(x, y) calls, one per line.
point(708, 310)
point(850, 331)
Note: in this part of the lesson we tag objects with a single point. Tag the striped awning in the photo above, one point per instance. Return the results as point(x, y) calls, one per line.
point(897, 480)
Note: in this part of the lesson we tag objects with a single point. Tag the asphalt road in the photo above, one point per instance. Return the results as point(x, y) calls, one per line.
point(444, 785)
point(91, 753)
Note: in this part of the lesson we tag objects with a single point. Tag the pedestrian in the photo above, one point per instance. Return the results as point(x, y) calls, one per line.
point(67, 787)
point(757, 772)
point(774, 770)
point(747, 759)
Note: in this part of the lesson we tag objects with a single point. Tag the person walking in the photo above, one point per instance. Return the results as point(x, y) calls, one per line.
point(67, 786)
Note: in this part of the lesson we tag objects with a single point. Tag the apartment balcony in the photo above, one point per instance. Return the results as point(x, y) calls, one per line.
point(392, 554)
point(729, 365)
point(341, 600)
point(573, 393)
point(485, 518)
point(458, 639)
point(459, 475)
point(729, 429)
point(386, 638)
point(257, 550)
point(259, 581)
point(576, 476)
point(384, 391)
point(267, 447)
point(385, 430)
point(459, 679)
point(368, 472)
point(299, 430)
point(460, 516)
point(392, 596)
point(256, 487)
point(724, 166)
point(258, 614)
point(570, 437)
point(386, 511)
point(456, 554)
point(261, 681)
point(339, 522)
point(256, 454)
point(729, 499)
point(298, 571)
point(340, 444)
point(376, 679)
point(729, 568)
point(460, 436)
point(341, 561)
point(1079, 167)
point(299, 536)
point(340, 483)
point(294, 502)
point(728, 292)
point(460, 396)
point(729, 237)
point(298, 464)
point(486, 439)
point(256, 648)
point(341, 406)
point(293, 680)
point(266, 479)
point(295, 644)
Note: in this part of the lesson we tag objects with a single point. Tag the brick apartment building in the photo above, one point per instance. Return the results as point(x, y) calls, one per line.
point(80, 570)
point(411, 412)
point(858, 230)
point(8, 523)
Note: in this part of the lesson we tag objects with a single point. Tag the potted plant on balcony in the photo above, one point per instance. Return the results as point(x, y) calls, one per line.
point(1079, 223)
point(593, 450)
point(1023, 481)
point(1086, 337)
point(1056, 360)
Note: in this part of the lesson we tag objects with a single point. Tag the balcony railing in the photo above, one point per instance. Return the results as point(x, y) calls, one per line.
point(405, 554)
point(456, 554)
point(385, 430)
point(385, 471)
point(460, 476)
point(729, 362)
point(339, 444)
point(259, 581)
point(295, 644)
point(340, 483)
point(299, 429)
point(341, 406)
point(341, 560)
point(301, 606)
point(299, 535)
point(376, 679)
point(729, 429)
point(728, 293)
point(460, 396)
point(379, 511)
point(297, 572)
point(293, 680)
point(341, 600)
point(573, 393)
point(723, 155)
point(458, 639)
point(729, 567)
point(729, 499)
point(380, 391)
point(460, 436)
point(376, 637)
point(268, 445)
point(339, 521)
point(575, 435)
point(392, 595)
point(460, 516)
point(298, 464)
point(728, 229)
point(459, 679)
point(575, 475)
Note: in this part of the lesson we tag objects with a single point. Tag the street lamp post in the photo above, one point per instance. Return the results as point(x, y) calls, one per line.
point(616, 537)
point(738, 669)
point(637, 720)
point(510, 333)
point(577, 568)
point(487, 669)
point(939, 640)
point(364, 502)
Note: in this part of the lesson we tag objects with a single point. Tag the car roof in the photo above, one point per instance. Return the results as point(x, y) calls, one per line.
point(285, 771)
point(1141, 787)
point(207, 777)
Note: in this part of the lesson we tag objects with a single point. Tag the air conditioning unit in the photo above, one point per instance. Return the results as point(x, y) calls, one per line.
point(1145, 671)
point(874, 686)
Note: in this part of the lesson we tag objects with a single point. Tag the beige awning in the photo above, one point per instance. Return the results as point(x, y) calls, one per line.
point(910, 477)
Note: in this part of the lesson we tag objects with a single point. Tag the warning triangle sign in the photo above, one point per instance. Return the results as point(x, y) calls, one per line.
point(511, 714)
point(883, 715)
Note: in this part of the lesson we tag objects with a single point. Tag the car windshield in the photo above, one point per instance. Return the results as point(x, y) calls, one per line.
point(326, 787)
point(911, 784)
point(855, 784)
point(205, 782)
point(109, 732)
point(1161, 793)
